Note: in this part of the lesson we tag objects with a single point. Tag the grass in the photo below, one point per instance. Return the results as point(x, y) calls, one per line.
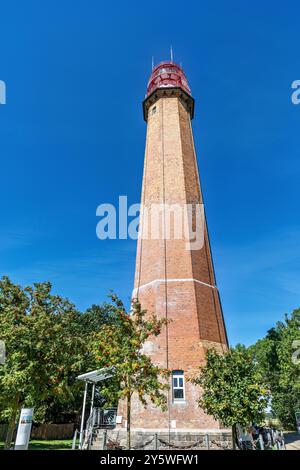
point(47, 445)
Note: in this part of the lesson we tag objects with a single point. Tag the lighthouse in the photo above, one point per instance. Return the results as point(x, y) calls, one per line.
point(172, 280)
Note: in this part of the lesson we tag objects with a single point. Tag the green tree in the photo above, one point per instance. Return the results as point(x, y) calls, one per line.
point(54, 409)
point(93, 319)
point(120, 345)
point(279, 368)
point(44, 345)
point(230, 389)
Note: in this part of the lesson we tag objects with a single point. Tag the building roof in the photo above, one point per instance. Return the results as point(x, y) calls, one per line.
point(96, 376)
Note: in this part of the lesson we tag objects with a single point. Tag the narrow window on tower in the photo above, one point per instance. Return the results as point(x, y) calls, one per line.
point(178, 385)
point(154, 110)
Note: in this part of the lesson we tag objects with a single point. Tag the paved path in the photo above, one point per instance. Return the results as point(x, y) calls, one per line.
point(292, 441)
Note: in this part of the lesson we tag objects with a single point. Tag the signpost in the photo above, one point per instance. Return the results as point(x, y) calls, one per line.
point(24, 429)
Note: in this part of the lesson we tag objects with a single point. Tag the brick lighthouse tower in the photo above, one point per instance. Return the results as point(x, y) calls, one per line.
point(172, 281)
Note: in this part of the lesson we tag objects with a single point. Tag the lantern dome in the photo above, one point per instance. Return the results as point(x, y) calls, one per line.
point(167, 75)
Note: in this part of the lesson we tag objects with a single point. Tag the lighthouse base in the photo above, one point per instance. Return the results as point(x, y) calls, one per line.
point(181, 439)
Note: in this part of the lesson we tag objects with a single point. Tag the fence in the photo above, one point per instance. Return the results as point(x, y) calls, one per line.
point(268, 439)
point(140, 440)
point(48, 431)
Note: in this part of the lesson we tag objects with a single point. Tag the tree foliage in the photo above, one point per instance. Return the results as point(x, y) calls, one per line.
point(230, 388)
point(45, 350)
point(120, 345)
point(48, 343)
point(279, 367)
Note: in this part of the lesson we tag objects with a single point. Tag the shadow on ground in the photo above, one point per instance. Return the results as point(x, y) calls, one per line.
point(292, 440)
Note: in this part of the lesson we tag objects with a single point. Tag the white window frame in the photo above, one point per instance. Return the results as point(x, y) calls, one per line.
point(178, 374)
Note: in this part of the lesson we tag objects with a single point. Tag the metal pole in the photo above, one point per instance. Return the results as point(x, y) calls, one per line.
point(283, 441)
point(261, 441)
point(82, 415)
point(92, 399)
point(272, 438)
point(74, 440)
point(207, 441)
point(105, 440)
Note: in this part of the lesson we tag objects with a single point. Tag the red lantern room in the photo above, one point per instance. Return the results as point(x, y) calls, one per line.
point(168, 79)
point(167, 75)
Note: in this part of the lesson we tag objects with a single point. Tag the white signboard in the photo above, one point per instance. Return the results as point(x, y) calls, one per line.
point(24, 429)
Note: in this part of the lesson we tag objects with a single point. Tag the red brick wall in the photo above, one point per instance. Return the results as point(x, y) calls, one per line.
point(193, 308)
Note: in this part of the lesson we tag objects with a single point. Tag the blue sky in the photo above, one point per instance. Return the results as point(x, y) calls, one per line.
point(72, 137)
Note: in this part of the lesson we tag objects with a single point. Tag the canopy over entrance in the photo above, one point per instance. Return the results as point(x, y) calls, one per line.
point(96, 376)
point(93, 378)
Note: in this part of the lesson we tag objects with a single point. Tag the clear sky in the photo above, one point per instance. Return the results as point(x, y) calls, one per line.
point(72, 137)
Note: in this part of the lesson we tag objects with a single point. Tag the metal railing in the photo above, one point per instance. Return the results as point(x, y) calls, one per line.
point(269, 439)
point(98, 419)
point(105, 418)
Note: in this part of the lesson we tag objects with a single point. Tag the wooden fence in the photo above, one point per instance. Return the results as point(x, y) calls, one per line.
point(47, 431)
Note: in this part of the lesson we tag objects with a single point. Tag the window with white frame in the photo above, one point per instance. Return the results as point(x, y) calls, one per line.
point(178, 385)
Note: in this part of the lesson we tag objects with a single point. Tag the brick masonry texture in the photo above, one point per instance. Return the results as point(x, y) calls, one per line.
point(193, 308)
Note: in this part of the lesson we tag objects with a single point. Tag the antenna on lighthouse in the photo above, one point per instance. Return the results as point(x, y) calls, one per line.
point(152, 62)
point(171, 53)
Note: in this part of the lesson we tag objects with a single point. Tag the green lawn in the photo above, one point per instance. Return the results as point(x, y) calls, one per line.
point(47, 445)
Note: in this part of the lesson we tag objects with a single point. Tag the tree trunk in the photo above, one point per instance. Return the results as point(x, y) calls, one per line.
point(11, 425)
point(128, 421)
point(234, 437)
